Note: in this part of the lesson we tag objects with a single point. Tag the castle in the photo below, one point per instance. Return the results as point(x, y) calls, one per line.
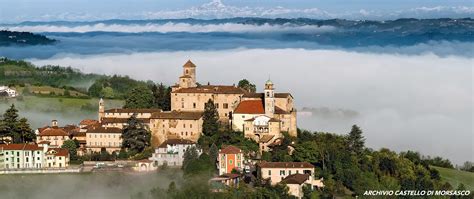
point(260, 116)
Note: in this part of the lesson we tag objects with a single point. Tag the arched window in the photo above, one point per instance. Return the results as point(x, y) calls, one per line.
point(186, 71)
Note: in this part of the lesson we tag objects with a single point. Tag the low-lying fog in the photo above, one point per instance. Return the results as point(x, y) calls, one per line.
point(418, 102)
point(79, 186)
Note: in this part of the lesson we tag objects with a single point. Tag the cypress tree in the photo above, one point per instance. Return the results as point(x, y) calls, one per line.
point(210, 124)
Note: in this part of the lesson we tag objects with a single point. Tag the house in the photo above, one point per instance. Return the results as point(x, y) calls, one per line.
point(32, 156)
point(171, 152)
point(230, 158)
point(5, 91)
point(295, 183)
point(54, 134)
point(275, 172)
point(109, 138)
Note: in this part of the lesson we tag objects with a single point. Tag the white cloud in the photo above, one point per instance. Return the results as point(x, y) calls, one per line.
point(173, 27)
point(421, 102)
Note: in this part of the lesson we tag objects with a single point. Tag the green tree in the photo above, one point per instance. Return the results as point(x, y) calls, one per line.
point(71, 146)
point(356, 140)
point(140, 97)
point(135, 135)
point(213, 154)
point(25, 132)
point(190, 155)
point(246, 85)
point(210, 124)
point(107, 92)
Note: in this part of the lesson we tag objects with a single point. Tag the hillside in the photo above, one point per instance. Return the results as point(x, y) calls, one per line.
point(56, 79)
point(455, 177)
point(8, 38)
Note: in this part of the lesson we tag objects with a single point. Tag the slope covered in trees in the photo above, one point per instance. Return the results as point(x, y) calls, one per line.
point(8, 38)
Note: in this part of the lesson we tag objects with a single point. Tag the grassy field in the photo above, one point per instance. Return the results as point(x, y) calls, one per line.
point(41, 110)
point(46, 90)
point(455, 177)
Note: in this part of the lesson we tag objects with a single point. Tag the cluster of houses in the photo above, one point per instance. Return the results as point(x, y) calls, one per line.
point(263, 117)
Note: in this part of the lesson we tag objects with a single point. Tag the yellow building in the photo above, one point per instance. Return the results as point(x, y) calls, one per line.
point(175, 125)
point(186, 95)
point(53, 134)
point(103, 137)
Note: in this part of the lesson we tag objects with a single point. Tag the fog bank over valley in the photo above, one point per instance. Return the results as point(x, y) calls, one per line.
point(418, 102)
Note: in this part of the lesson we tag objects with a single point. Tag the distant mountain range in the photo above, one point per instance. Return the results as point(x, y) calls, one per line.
point(8, 38)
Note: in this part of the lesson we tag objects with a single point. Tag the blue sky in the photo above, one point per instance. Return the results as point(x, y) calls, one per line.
point(33, 10)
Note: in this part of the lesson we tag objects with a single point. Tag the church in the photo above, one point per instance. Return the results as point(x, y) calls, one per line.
point(260, 116)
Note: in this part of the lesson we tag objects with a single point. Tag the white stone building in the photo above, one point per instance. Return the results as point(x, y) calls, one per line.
point(171, 152)
point(9, 91)
point(32, 156)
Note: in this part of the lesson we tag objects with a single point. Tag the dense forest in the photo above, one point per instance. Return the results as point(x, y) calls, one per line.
point(23, 38)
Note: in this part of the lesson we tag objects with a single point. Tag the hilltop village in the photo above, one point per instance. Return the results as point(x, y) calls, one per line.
point(262, 118)
point(223, 141)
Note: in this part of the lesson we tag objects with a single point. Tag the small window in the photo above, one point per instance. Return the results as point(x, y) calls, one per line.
point(217, 105)
point(269, 172)
point(282, 172)
point(226, 106)
point(194, 105)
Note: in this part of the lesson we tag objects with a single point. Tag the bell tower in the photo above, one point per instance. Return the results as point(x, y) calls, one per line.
point(101, 109)
point(188, 79)
point(269, 96)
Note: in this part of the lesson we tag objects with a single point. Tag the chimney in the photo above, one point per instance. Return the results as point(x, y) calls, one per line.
point(54, 123)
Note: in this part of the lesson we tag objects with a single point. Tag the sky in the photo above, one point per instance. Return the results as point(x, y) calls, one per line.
point(82, 10)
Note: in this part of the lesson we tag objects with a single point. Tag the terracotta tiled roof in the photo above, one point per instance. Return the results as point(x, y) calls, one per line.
point(183, 115)
point(297, 178)
point(88, 122)
point(285, 165)
point(104, 130)
point(266, 138)
point(189, 63)
point(230, 150)
point(260, 95)
point(107, 120)
point(70, 128)
point(279, 110)
point(130, 110)
point(79, 134)
point(53, 131)
point(250, 107)
point(30, 147)
point(229, 175)
point(59, 151)
point(213, 89)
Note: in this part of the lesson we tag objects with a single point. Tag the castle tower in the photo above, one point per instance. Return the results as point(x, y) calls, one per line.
point(101, 109)
point(188, 79)
point(269, 99)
